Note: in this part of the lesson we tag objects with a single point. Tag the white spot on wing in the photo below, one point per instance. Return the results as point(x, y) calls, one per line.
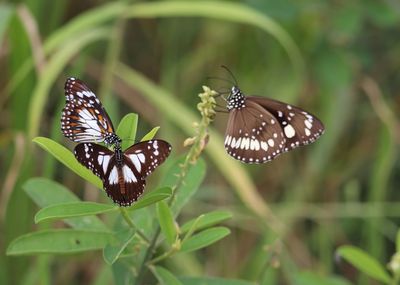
point(141, 157)
point(289, 131)
point(271, 142)
point(136, 162)
point(113, 179)
point(308, 124)
point(128, 174)
point(106, 160)
point(264, 145)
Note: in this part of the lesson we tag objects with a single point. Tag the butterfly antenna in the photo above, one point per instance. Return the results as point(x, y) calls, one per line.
point(221, 111)
point(231, 73)
point(219, 78)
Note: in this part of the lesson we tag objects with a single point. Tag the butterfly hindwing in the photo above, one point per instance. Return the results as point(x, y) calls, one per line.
point(123, 179)
point(299, 127)
point(120, 180)
point(253, 135)
point(83, 118)
point(95, 157)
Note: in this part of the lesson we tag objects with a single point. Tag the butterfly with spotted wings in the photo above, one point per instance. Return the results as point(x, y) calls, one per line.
point(259, 128)
point(123, 173)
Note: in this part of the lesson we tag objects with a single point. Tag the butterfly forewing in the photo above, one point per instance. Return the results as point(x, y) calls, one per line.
point(253, 135)
point(83, 118)
point(147, 155)
point(299, 127)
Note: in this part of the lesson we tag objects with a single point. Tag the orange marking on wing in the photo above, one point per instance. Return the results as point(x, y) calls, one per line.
point(121, 181)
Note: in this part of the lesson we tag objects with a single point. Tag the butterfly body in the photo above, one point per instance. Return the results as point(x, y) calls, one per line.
point(122, 172)
point(259, 129)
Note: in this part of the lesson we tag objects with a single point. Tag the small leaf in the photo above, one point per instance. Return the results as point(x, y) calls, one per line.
point(150, 135)
point(204, 238)
point(59, 241)
point(6, 13)
point(67, 158)
point(152, 198)
point(112, 251)
point(191, 183)
point(74, 209)
point(207, 220)
point(164, 276)
point(364, 262)
point(127, 130)
point(45, 192)
point(213, 281)
point(166, 221)
point(314, 278)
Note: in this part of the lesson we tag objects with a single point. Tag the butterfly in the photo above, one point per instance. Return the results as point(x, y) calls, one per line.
point(123, 173)
point(84, 118)
point(259, 129)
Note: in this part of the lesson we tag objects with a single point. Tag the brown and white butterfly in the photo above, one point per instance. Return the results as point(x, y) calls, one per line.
point(259, 129)
point(123, 173)
point(84, 118)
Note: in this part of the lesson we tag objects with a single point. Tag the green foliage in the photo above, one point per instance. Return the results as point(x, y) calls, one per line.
point(364, 262)
point(75, 209)
point(112, 252)
point(204, 238)
point(167, 223)
point(127, 130)
point(336, 59)
point(59, 241)
point(164, 276)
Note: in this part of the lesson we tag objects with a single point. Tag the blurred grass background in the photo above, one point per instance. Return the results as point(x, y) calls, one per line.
point(337, 59)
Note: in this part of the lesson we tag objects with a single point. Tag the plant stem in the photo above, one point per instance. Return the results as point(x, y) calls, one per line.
point(198, 143)
point(130, 223)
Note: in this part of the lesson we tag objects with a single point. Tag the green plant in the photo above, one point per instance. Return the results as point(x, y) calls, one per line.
point(371, 267)
point(142, 235)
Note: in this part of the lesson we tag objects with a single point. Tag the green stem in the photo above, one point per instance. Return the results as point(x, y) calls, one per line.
point(130, 223)
point(206, 108)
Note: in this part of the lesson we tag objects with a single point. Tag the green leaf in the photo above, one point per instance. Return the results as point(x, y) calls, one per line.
point(45, 192)
point(150, 135)
point(59, 241)
point(398, 241)
point(152, 198)
point(164, 276)
point(364, 262)
point(190, 185)
point(67, 158)
point(313, 278)
point(6, 11)
point(72, 209)
point(112, 251)
point(166, 221)
point(127, 130)
point(207, 220)
point(212, 281)
point(204, 238)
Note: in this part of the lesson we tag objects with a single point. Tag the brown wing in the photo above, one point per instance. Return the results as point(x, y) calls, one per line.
point(299, 127)
point(253, 135)
point(120, 181)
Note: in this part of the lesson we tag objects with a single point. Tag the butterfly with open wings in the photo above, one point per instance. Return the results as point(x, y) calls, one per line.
point(123, 173)
point(259, 128)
